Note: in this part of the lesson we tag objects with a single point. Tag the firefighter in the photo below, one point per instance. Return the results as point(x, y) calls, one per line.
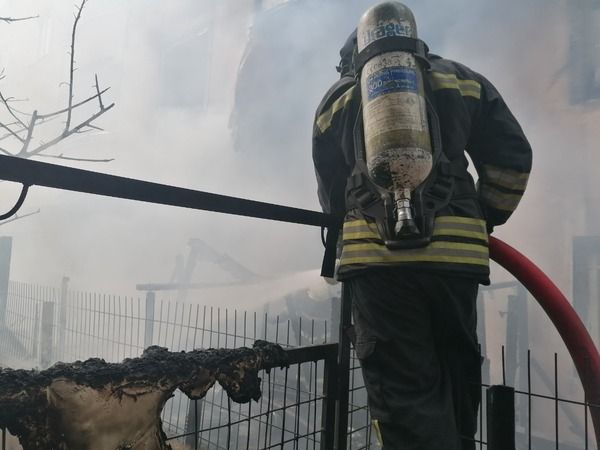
point(414, 309)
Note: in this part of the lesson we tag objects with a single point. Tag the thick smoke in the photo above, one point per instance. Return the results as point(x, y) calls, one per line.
point(173, 68)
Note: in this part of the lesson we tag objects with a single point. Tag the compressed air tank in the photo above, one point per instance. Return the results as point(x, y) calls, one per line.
point(397, 142)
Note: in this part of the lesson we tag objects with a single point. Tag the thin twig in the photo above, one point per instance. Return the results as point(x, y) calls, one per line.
point(10, 20)
point(98, 92)
point(70, 158)
point(72, 70)
point(10, 110)
point(62, 111)
point(12, 133)
point(17, 217)
point(94, 127)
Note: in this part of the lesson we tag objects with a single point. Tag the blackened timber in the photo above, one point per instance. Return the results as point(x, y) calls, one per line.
point(36, 173)
point(95, 404)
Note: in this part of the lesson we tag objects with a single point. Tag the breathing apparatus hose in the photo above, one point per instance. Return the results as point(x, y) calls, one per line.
point(568, 324)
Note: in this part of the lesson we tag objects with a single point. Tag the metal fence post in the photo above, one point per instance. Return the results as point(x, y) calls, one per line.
point(35, 338)
point(5, 252)
point(330, 378)
point(62, 317)
point(46, 335)
point(341, 441)
point(149, 321)
point(500, 418)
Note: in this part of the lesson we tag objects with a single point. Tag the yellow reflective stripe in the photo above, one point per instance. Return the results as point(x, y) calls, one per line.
point(407, 258)
point(351, 224)
point(462, 233)
point(458, 219)
point(498, 199)
point(324, 120)
point(510, 179)
point(443, 252)
point(370, 246)
point(444, 225)
point(359, 229)
point(360, 235)
point(467, 88)
point(460, 226)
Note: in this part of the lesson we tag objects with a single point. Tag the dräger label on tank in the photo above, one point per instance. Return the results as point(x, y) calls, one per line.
point(391, 79)
point(389, 28)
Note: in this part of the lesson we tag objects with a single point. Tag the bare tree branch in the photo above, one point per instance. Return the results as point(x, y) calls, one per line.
point(22, 125)
point(68, 133)
point(27, 141)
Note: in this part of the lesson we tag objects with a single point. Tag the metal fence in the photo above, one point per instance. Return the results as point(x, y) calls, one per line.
point(45, 324)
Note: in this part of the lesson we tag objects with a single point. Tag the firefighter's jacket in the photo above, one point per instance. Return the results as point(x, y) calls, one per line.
point(473, 118)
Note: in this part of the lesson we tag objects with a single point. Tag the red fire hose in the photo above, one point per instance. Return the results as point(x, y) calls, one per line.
point(563, 316)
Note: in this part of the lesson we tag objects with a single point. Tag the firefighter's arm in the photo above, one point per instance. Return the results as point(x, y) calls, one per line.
point(331, 172)
point(501, 154)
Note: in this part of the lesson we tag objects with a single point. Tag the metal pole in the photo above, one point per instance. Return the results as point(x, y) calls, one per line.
point(62, 320)
point(343, 370)
point(193, 423)
point(46, 340)
point(36, 337)
point(330, 377)
point(501, 418)
point(149, 327)
point(5, 252)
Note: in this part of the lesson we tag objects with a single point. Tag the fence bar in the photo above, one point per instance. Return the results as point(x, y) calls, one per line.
point(29, 172)
point(500, 417)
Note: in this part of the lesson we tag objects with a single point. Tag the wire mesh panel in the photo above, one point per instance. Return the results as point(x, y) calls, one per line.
point(25, 328)
point(103, 326)
point(551, 410)
point(360, 432)
point(287, 416)
point(289, 413)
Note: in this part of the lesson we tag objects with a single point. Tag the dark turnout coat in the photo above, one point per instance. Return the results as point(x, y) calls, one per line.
point(473, 118)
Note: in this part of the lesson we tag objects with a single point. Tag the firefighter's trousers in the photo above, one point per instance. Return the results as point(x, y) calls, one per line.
point(415, 336)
